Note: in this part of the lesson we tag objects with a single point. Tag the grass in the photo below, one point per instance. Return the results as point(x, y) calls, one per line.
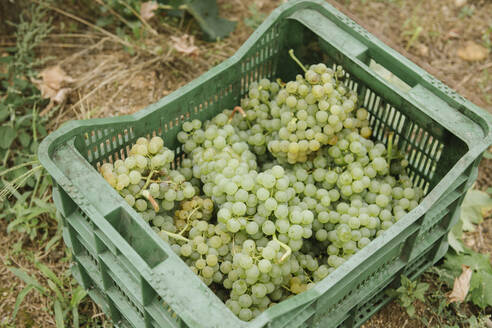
point(35, 280)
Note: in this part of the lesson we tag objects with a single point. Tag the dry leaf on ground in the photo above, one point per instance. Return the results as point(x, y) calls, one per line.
point(53, 85)
point(54, 77)
point(473, 52)
point(147, 9)
point(461, 285)
point(185, 44)
point(460, 3)
point(453, 34)
point(422, 49)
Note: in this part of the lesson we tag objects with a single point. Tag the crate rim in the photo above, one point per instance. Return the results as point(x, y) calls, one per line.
point(483, 119)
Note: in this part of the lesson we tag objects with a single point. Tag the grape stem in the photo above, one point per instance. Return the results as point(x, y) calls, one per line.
point(291, 53)
point(164, 181)
point(243, 114)
point(307, 275)
point(147, 182)
point(176, 236)
point(151, 199)
point(287, 288)
point(280, 82)
point(288, 250)
point(235, 110)
point(188, 220)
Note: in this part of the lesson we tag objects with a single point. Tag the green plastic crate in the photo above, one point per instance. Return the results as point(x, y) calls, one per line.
point(140, 282)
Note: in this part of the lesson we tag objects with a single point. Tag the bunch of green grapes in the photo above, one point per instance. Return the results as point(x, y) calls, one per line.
point(303, 115)
point(274, 195)
point(145, 180)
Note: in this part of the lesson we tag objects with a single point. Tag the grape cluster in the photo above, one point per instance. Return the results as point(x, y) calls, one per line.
point(274, 195)
point(145, 180)
point(304, 115)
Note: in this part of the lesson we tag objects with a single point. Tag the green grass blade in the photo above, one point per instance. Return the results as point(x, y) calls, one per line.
point(57, 291)
point(59, 315)
point(48, 273)
point(75, 316)
point(18, 167)
point(22, 275)
point(53, 242)
point(77, 296)
point(20, 297)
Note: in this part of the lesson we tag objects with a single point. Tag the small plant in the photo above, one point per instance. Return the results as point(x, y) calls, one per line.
point(21, 127)
point(256, 18)
point(466, 11)
point(480, 288)
point(484, 84)
point(473, 209)
point(61, 291)
point(412, 29)
point(408, 293)
point(487, 38)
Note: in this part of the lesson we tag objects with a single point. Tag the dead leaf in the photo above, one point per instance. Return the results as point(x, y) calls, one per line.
point(53, 86)
point(473, 52)
point(460, 3)
point(423, 50)
point(61, 95)
point(185, 44)
point(452, 34)
point(147, 9)
point(461, 285)
point(54, 77)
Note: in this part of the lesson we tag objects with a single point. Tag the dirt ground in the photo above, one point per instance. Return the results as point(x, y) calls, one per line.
point(110, 81)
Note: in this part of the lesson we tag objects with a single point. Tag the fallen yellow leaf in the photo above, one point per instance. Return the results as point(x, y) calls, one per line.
point(461, 285)
point(147, 9)
point(52, 85)
point(473, 52)
point(460, 3)
point(185, 44)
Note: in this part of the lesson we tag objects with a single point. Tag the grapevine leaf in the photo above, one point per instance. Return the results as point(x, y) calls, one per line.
point(7, 136)
point(476, 261)
point(4, 112)
point(454, 238)
point(420, 290)
point(206, 13)
point(476, 202)
point(410, 310)
point(481, 289)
